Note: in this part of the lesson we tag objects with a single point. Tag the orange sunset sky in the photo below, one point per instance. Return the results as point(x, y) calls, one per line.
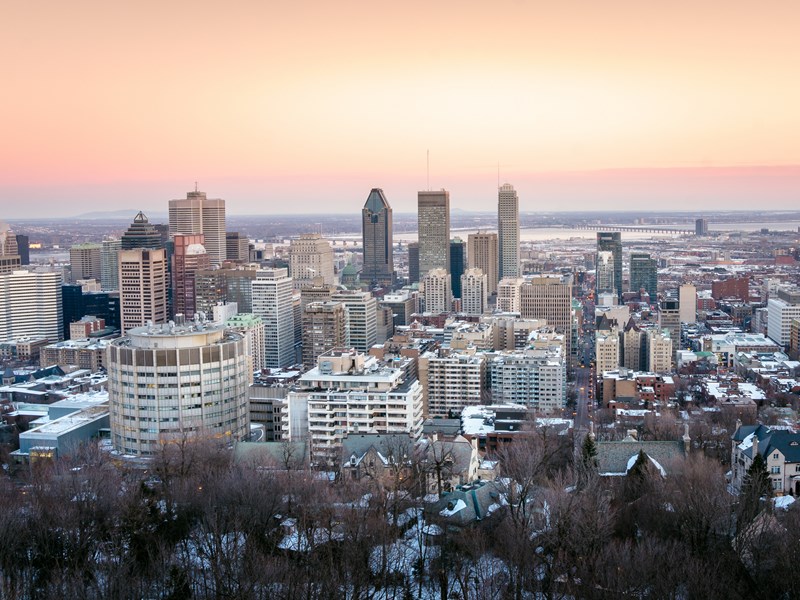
point(304, 106)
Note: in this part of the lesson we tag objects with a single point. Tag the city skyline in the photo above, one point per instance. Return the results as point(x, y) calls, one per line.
point(575, 107)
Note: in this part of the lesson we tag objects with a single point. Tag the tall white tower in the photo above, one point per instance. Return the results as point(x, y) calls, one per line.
point(508, 231)
point(272, 301)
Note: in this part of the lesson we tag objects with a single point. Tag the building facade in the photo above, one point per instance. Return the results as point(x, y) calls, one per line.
point(362, 318)
point(85, 260)
point(197, 214)
point(325, 327)
point(311, 256)
point(644, 275)
point(168, 383)
point(189, 257)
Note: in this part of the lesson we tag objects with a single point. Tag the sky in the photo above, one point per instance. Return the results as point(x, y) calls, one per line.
point(287, 107)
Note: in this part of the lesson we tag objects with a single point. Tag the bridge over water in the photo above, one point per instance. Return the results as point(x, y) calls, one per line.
point(635, 228)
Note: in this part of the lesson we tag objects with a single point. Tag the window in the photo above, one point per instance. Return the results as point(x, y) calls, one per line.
point(775, 456)
point(775, 470)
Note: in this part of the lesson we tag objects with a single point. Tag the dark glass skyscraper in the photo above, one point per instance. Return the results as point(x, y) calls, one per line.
point(644, 274)
point(611, 241)
point(413, 262)
point(456, 264)
point(376, 227)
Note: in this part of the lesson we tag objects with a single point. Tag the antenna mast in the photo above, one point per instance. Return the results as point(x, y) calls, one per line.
point(428, 164)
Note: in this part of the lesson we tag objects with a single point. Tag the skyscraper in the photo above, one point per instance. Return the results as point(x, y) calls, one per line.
point(433, 218)
point(237, 247)
point(109, 265)
point(550, 298)
point(311, 256)
point(508, 231)
point(141, 234)
point(143, 287)
point(644, 275)
point(198, 214)
point(413, 262)
point(376, 227)
point(86, 261)
point(31, 305)
point(272, 301)
point(604, 274)
point(188, 258)
point(457, 264)
point(362, 318)
point(482, 254)
point(701, 227)
point(23, 247)
point(611, 241)
point(9, 252)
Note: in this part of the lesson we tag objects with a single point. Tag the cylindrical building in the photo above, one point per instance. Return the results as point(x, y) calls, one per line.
point(166, 382)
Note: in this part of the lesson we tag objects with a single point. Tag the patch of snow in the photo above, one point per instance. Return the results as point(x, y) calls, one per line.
point(458, 506)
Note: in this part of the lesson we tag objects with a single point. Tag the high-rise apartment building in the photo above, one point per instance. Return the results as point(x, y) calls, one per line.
point(687, 303)
point(482, 254)
point(474, 292)
point(31, 305)
point(436, 284)
point(458, 262)
point(362, 318)
point(433, 218)
point(9, 251)
point(188, 258)
point(452, 380)
point(348, 392)
point(325, 327)
point(644, 275)
point(659, 351)
point(611, 241)
point(508, 295)
point(701, 227)
point(311, 256)
point(508, 231)
point(197, 214)
point(272, 301)
point(141, 234)
point(143, 287)
point(607, 350)
point(669, 318)
point(376, 228)
point(781, 311)
point(549, 298)
point(109, 265)
point(169, 383)
point(85, 260)
point(534, 378)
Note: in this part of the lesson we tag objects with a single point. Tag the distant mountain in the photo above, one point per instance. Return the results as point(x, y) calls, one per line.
point(115, 215)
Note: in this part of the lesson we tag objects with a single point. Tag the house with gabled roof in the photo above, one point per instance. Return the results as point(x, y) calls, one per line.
point(780, 449)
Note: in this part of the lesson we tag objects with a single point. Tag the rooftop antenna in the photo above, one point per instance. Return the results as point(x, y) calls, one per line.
point(195, 186)
point(498, 174)
point(428, 160)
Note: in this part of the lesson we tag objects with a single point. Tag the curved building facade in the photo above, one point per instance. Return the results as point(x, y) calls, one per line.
point(166, 382)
